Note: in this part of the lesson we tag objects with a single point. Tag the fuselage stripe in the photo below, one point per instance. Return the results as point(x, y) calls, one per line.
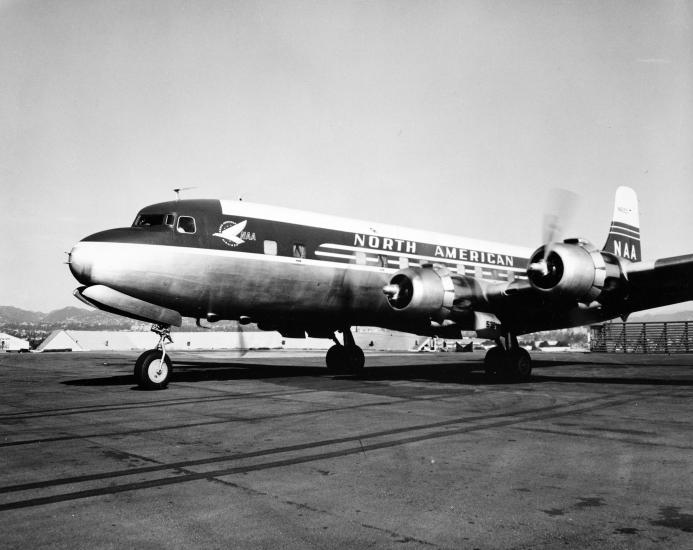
point(432, 259)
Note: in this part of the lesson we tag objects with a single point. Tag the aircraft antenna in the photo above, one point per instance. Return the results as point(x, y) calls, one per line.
point(179, 189)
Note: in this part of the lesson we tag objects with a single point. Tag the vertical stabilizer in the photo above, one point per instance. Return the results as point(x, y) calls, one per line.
point(624, 234)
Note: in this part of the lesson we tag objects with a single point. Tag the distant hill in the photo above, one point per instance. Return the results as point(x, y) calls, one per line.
point(677, 312)
point(79, 315)
point(9, 314)
point(68, 315)
point(85, 319)
point(670, 317)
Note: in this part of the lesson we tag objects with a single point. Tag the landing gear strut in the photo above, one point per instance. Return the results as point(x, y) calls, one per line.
point(153, 368)
point(507, 359)
point(347, 357)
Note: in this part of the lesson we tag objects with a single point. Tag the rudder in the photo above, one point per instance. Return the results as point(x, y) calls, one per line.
point(624, 234)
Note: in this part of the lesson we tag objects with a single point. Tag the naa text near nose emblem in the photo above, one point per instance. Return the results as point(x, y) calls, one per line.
point(233, 233)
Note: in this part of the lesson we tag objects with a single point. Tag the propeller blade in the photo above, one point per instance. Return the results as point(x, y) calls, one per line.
point(560, 208)
point(241, 340)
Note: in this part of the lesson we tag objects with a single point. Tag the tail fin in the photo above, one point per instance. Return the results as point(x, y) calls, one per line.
point(624, 234)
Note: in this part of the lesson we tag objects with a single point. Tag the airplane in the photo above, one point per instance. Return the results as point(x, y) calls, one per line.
point(304, 273)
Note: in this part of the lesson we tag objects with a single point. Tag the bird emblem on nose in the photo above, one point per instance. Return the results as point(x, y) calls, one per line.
point(230, 232)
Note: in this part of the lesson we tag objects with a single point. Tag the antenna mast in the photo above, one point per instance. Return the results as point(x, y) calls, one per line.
point(179, 189)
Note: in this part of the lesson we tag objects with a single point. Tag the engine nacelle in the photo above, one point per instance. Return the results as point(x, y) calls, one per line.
point(421, 291)
point(433, 293)
point(576, 269)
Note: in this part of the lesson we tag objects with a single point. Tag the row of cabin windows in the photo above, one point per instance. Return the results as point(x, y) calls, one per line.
point(299, 251)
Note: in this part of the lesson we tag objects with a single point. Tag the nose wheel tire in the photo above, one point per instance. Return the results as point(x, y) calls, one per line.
point(344, 359)
point(151, 373)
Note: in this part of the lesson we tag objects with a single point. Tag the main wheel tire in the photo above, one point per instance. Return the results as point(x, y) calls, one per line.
point(494, 361)
point(336, 358)
point(150, 372)
point(521, 364)
point(342, 359)
point(355, 358)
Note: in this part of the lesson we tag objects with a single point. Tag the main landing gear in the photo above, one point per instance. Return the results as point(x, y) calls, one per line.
point(347, 357)
point(508, 360)
point(153, 368)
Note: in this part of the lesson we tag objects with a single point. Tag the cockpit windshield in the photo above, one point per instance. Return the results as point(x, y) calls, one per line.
point(148, 220)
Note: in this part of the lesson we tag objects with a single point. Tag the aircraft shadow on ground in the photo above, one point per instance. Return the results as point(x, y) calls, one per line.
point(470, 373)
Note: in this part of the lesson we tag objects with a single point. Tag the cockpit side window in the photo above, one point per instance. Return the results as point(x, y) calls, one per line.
point(147, 220)
point(169, 219)
point(186, 224)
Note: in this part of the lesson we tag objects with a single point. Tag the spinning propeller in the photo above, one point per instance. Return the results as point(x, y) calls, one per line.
point(559, 210)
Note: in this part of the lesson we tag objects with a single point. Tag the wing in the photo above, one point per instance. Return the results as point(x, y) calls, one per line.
point(659, 283)
point(596, 285)
point(642, 285)
point(568, 284)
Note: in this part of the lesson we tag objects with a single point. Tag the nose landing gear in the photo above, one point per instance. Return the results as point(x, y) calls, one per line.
point(153, 368)
point(347, 357)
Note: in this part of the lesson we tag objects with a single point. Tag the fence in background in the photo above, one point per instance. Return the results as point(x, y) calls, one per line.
point(675, 337)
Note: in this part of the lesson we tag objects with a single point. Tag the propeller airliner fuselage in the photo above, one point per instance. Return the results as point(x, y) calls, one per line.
point(298, 272)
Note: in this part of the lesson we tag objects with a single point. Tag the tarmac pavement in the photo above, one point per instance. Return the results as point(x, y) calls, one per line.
point(268, 450)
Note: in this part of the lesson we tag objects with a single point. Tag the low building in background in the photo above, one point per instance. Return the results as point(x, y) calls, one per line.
point(12, 343)
point(95, 340)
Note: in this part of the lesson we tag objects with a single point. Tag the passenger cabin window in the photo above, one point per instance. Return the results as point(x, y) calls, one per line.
point(382, 260)
point(147, 220)
point(186, 224)
point(299, 250)
point(270, 248)
point(360, 258)
point(403, 263)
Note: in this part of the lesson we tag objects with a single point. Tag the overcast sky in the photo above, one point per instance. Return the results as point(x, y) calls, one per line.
point(450, 116)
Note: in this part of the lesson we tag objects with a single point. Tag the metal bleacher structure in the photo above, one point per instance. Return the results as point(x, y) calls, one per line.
point(665, 337)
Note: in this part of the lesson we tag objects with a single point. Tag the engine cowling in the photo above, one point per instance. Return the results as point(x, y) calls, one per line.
point(576, 269)
point(432, 292)
point(420, 291)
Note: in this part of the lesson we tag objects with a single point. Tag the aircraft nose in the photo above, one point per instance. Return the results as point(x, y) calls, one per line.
point(80, 264)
